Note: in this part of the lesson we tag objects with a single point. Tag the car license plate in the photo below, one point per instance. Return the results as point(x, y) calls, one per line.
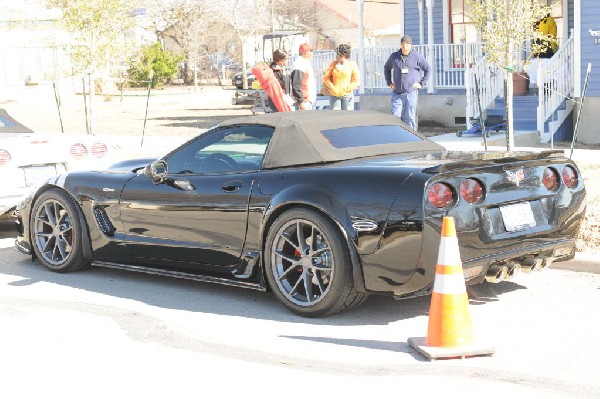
point(517, 216)
point(36, 174)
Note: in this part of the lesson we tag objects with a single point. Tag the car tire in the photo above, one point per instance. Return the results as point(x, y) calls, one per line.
point(56, 232)
point(308, 265)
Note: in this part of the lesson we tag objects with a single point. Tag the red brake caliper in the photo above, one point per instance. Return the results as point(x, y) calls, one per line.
point(297, 254)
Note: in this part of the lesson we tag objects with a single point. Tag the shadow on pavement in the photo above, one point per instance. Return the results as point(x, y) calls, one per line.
point(194, 121)
point(202, 297)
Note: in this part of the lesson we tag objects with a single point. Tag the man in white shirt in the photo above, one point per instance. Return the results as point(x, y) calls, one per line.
point(304, 88)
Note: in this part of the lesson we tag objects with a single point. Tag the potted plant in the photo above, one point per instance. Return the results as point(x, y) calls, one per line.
point(520, 83)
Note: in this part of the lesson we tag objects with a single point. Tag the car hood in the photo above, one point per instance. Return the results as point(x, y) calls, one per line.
point(130, 165)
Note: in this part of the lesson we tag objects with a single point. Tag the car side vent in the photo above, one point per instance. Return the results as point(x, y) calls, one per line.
point(103, 221)
point(364, 225)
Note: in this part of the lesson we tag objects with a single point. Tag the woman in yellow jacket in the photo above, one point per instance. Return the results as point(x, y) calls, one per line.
point(341, 79)
point(547, 27)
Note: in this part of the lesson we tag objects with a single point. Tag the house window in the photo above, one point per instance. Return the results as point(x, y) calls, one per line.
point(462, 29)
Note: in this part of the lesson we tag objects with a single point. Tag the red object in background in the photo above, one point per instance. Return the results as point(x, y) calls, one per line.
point(270, 85)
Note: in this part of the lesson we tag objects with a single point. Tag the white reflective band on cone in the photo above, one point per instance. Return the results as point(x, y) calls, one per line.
point(448, 253)
point(450, 284)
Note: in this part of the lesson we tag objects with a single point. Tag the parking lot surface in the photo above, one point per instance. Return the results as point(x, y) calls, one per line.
point(106, 332)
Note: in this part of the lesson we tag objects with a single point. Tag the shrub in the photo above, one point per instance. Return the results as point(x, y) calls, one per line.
point(164, 63)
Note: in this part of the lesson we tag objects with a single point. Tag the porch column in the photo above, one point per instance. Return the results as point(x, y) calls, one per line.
point(431, 56)
point(421, 31)
point(361, 46)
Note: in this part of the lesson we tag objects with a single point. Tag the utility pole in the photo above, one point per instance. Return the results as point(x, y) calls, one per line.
point(272, 27)
point(92, 91)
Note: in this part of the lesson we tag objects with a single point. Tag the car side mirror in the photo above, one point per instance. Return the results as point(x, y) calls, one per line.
point(157, 171)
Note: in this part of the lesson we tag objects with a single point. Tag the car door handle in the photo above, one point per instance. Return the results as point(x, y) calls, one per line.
point(232, 186)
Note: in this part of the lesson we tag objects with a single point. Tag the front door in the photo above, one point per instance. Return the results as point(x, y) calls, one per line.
point(199, 213)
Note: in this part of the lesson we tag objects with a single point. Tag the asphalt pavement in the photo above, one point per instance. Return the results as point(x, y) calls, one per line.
point(106, 333)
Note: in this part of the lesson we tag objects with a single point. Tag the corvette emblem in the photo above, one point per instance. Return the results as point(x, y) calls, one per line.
point(517, 176)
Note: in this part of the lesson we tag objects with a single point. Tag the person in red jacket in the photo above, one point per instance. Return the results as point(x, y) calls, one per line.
point(280, 60)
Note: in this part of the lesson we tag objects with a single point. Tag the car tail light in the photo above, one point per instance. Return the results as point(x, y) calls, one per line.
point(471, 190)
point(440, 195)
point(4, 157)
point(569, 176)
point(99, 150)
point(550, 179)
point(78, 151)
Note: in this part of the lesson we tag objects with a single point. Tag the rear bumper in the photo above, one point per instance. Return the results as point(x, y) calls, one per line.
point(475, 270)
point(404, 281)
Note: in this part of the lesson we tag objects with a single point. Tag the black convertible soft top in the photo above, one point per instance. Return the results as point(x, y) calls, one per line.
point(309, 137)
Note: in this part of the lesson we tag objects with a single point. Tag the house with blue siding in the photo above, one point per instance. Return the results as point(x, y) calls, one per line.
point(441, 30)
point(587, 35)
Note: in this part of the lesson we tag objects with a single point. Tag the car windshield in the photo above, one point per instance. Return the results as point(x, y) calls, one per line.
point(239, 148)
point(361, 136)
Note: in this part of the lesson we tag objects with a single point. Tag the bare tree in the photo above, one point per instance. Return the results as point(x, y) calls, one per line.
point(293, 15)
point(186, 35)
point(161, 16)
point(217, 46)
point(97, 28)
point(247, 18)
point(191, 28)
point(507, 27)
point(210, 32)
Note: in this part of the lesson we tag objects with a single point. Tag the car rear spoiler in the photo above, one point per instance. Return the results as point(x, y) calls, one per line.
point(454, 160)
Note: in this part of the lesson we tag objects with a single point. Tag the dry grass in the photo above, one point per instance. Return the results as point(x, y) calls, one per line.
point(589, 235)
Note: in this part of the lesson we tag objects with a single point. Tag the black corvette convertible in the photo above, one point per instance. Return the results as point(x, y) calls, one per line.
point(321, 207)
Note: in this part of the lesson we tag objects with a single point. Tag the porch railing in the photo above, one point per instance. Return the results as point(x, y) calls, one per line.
point(491, 85)
point(556, 83)
point(449, 63)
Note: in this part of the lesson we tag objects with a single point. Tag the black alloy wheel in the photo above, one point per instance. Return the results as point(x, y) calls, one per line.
point(56, 232)
point(308, 265)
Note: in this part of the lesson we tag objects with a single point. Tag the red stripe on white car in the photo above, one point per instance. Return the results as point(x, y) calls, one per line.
point(78, 151)
point(4, 157)
point(99, 150)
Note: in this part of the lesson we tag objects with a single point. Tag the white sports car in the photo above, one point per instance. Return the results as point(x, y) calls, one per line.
point(27, 158)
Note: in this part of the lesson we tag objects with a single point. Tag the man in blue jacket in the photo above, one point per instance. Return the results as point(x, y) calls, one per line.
point(410, 71)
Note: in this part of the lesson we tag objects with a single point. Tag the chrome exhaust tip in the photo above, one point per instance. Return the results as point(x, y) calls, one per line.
point(497, 273)
point(513, 270)
point(532, 264)
point(547, 262)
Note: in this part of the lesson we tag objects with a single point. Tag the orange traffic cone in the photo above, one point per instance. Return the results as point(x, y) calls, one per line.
point(450, 331)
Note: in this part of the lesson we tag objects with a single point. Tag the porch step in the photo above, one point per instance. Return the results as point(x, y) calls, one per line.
point(524, 111)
